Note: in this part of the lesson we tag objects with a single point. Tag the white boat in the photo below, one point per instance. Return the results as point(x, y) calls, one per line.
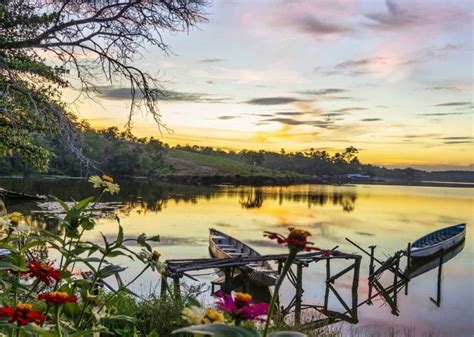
point(442, 239)
point(223, 246)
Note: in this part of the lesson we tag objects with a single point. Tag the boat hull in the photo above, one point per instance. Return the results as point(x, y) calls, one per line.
point(420, 250)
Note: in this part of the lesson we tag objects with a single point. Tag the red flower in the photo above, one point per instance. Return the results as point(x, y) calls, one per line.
point(58, 297)
point(44, 271)
point(241, 306)
point(297, 240)
point(22, 314)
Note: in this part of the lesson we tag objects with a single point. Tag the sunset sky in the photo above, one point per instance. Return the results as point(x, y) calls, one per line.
point(392, 78)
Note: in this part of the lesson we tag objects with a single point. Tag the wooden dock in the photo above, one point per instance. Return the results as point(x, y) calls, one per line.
point(179, 268)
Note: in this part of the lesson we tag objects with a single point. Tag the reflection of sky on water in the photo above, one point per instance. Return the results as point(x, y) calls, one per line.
point(388, 216)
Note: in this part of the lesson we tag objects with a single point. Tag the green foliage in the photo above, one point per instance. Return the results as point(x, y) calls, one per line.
point(60, 302)
point(112, 151)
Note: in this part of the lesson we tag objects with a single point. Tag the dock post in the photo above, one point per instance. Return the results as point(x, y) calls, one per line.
point(299, 293)
point(408, 264)
point(163, 286)
point(355, 290)
point(440, 273)
point(371, 271)
point(395, 281)
point(176, 286)
point(328, 277)
point(227, 280)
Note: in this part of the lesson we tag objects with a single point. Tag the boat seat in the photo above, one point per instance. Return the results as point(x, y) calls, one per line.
point(236, 254)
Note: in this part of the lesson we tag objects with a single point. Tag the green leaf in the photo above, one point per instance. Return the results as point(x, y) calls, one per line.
point(121, 318)
point(155, 238)
point(87, 224)
point(119, 240)
point(83, 203)
point(287, 334)
point(110, 270)
point(61, 202)
point(141, 240)
point(219, 330)
point(9, 266)
point(31, 245)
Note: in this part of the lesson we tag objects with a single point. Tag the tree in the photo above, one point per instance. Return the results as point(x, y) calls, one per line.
point(46, 46)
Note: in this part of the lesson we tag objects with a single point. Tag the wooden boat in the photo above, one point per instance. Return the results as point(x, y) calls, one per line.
point(442, 239)
point(423, 265)
point(223, 246)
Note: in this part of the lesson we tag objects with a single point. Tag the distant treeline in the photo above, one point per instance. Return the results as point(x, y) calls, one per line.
point(122, 154)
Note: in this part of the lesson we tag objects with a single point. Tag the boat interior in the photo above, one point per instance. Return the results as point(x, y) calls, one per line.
point(234, 248)
point(438, 236)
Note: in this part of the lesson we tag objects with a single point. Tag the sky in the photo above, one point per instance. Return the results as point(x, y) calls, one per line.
point(391, 78)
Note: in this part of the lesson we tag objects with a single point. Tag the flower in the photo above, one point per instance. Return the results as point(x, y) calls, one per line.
point(155, 256)
point(106, 183)
point(58, 297)
point(22, 314)
point(15, 218)
point(241, 306)
point(44, 271)
point(107, 178)
point(297, 240)
point(195, 315)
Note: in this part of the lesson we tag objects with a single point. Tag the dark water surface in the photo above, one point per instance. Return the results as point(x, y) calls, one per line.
point(386, 216)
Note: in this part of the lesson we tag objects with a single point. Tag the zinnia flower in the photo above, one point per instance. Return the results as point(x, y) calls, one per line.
point(241, 306)
point(195, 315)
point(297, 240)
point(58, 297)
point(22, 314)
point(15, 218)
point(44, 271)
point(106, 183)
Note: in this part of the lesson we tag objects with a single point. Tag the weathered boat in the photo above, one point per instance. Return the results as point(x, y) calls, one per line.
point(223, 246)
point(442, 239)
point(423, 265)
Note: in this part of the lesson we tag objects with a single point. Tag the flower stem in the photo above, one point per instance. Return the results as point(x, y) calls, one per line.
point(58, 325)
point(286, 268)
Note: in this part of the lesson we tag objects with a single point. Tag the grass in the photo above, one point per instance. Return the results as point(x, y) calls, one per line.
point(192, 163)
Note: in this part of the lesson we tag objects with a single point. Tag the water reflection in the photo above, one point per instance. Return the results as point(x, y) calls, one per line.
point(145, 196)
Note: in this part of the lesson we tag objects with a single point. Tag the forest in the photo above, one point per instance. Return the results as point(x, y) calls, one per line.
point(120, 153)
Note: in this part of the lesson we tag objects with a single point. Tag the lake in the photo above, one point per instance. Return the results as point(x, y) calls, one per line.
point(386, 216)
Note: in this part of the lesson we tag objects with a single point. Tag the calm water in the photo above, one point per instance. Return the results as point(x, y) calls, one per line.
point(387, 216)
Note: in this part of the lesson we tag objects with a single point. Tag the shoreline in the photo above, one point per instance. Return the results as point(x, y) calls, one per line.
point(258, 180)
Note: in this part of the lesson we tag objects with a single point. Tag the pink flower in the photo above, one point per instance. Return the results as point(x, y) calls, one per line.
point(241, 306)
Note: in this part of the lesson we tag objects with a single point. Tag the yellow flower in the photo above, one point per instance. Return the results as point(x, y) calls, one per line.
point(15, 217)
point(212, 316)
point(106, 183)
point(192, 315)
point(107, 178)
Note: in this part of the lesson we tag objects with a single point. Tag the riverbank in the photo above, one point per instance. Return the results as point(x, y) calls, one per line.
point(258, 180)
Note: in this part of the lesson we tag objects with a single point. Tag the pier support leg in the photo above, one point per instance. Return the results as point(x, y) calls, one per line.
point(299, 293)
point(176, 287)
point(408, 265)
point(227, 280)
point(371, 271)
point(355, 291)
point(163, 286)
point(440, 274)
point(328, 278)
point(395, 282)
